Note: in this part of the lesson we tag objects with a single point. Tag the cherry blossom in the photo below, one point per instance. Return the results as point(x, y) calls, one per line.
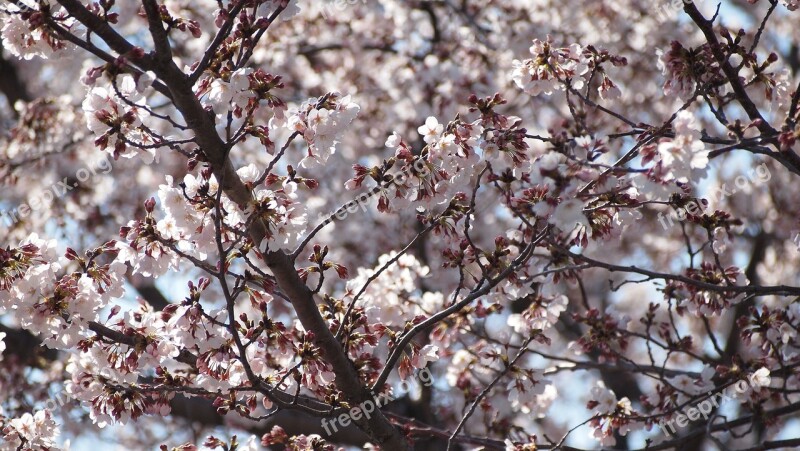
point(501, 225)
point(549, 67)
point(36, 431)
point(685, 155)
point(430, 131)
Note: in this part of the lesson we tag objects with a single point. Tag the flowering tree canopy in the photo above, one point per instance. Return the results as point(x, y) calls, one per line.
point(500, 224)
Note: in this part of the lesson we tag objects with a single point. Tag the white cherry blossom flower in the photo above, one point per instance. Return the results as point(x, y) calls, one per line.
point(431, 130)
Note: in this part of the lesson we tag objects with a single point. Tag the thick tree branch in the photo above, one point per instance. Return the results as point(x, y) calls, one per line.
point(789, 159)
point(202, 123)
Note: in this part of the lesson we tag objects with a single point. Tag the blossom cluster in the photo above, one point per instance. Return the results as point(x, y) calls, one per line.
point(519, 156)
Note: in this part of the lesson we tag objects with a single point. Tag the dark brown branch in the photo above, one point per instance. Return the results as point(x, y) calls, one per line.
point(10, 83)
point(202, 123)
point(789, 159)
point(101, 28)
point(750, 289)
